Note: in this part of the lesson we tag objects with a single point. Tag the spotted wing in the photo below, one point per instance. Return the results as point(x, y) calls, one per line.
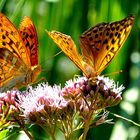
point(66, 44)
point(12, 69)
point(11, 39)
point(102, 42)
point(29, 37)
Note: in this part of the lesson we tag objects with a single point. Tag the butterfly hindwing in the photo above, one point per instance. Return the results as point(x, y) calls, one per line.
point(30, 39)
point(11, 69)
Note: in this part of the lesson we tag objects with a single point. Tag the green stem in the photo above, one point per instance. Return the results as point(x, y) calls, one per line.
point(22, 125)
point(89, 117)
point(28, 134)
point(53, 137)
point(87, 125)
point(128, 120)
point(50, 131)
point(68, 127)
point(66, 130)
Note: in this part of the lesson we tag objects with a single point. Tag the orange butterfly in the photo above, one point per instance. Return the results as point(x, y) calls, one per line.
point(18, 53)
point(99, 45)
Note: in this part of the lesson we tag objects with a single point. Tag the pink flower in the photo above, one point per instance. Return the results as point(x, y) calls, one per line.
point(42, 102)
point(89, 95)
point(8, 108)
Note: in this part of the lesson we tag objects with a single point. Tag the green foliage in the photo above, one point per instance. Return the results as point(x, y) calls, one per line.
point(3, 134)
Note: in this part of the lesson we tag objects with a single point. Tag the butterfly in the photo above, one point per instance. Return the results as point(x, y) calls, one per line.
point(99, 45)
point(18, 54)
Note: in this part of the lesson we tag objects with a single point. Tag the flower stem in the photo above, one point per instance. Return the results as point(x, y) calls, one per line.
point(28, 134)
point(21, 123)
point(87, 125)
point(50, 130)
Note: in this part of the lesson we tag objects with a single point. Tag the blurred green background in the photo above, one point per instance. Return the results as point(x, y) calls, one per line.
point(72, 17)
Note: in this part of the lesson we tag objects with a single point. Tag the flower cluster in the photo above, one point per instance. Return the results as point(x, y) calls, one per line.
point(42, 103)
point(93, 96)
point(52, 106)
point(8, 108)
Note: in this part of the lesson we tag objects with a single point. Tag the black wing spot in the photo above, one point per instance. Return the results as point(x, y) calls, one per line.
point(113, 28)
point(3, 43)
point(111, 35)
point(3, 36)
point(89, 34)
point(113, 41)
point(96, 36)
point(105, 41)
point(97, 49)
point(121, 30)
point(95, 31)
point(1, 30)
point(112, 49)
point(116, 33)
point(119, 35)
point(100, 28)
point(26, 36)
point(27, 44)
point(107, 33)
point(12, 33)
point(101, 33)
point(31, 36)
point(90, 39)
point(108, 29)
point(117, 28)
point(10, 43)
point(107, 47)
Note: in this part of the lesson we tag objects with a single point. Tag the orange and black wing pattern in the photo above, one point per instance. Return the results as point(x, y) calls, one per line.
point(99, 45)
point(30, 39)
point(18, 54)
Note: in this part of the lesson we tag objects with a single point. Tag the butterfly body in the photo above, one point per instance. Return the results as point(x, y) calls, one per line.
point(99, 45)
point(18, 54)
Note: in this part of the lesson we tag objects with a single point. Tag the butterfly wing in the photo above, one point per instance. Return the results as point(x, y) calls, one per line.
point(30, 39)
point(18, 61)
point(67, 45)
point(11, 39)
point(102, 42)
point(12, 69)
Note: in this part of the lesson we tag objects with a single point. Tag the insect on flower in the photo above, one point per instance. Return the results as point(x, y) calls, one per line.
point(99, 45)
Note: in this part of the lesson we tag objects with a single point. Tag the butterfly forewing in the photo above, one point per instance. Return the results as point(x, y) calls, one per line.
point(67, 45)
point(10, 39)
point(102, 42)
point(30, 39)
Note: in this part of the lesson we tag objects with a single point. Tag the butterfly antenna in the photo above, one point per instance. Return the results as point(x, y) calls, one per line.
point(54, 55)
point(114, 73)
point(44, 70)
